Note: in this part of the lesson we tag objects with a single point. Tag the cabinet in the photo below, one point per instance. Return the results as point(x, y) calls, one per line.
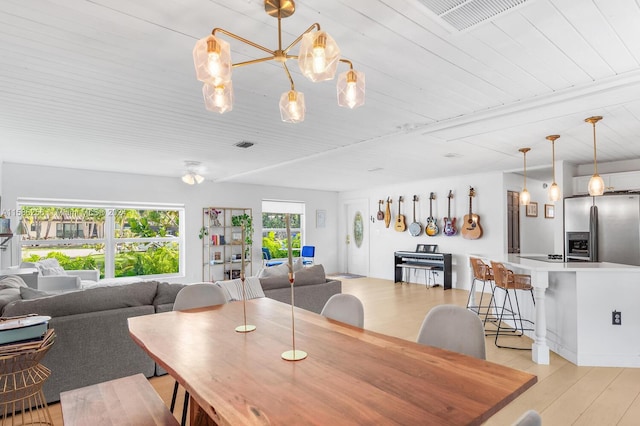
point(222, 248)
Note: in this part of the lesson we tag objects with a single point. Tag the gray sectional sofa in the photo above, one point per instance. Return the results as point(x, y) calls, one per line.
point(312, 288)
point(92, 337)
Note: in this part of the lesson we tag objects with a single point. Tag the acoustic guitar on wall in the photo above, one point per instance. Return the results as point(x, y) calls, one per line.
point(400, 225)
point(471, 229)
point(449, 222)
point(380, 212)
point(387, 213)
point(432, 226)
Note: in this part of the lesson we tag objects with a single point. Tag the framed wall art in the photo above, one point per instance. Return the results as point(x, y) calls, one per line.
point(532, 209)
point(549, 211)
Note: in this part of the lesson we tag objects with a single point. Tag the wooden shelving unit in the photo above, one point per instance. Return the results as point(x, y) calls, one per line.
point(221, 235)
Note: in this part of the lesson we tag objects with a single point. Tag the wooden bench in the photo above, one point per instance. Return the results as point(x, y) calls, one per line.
point(429, 272)
point(126, 401)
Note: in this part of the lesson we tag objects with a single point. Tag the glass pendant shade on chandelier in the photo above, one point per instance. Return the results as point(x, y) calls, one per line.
point(318, 59)
point(525, 197)
point(596, 184)
point(554, 189)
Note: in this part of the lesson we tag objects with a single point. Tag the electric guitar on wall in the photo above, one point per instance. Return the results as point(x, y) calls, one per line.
point(400, 225)
point(432, 226)
point(449, 222)
point(471, 229)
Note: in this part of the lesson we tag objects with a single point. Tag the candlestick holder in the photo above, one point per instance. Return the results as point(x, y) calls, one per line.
point(245, 328)
point(294, 354)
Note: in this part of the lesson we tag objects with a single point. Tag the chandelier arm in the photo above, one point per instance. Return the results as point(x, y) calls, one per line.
point(296, 41)
point(286, 70)
point(243, 40)
point(253, 61)
point(346, 61)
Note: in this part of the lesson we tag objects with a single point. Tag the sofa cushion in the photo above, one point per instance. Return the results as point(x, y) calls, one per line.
point(305, 276)
point(167, 293)
point(90, 300)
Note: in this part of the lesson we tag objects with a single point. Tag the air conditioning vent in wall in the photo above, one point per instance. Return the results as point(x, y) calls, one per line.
point(461, 15)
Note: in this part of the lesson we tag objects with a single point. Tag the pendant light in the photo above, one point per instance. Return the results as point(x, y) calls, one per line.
point(525, 197)
point(554, 189)
point(596, 184)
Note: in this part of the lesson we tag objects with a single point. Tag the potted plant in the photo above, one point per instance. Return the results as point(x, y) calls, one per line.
point(246, 220)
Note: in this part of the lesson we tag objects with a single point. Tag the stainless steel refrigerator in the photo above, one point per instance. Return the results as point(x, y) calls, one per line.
point(603, 229)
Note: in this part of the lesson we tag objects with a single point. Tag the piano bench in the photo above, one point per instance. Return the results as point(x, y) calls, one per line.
point(429, 273)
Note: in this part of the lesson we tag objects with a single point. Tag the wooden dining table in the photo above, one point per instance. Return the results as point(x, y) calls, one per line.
point(350, 376)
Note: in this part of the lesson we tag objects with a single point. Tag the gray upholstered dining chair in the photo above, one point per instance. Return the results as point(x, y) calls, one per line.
point(529, 418)
point(345, 308)
point(453, 328)
point(194, 296)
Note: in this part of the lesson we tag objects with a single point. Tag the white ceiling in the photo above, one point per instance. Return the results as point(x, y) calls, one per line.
point(110, 85)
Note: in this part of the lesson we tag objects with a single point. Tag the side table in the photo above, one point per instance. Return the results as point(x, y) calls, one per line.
point(22, 401)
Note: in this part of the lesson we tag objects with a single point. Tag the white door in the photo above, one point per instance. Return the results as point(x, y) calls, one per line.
point(357, 238)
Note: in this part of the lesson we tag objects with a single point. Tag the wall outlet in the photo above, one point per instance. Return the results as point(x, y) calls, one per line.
point(616, 318)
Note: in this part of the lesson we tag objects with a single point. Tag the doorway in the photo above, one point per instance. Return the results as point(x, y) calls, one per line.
point(513, 221)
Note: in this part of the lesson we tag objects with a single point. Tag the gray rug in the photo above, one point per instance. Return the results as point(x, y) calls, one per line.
point(346, 276)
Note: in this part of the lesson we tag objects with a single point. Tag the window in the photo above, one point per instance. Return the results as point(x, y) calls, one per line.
point(274, 227)
point(120, 240)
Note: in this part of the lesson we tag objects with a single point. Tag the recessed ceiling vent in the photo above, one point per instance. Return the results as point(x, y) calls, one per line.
point(461, 15)
point(244, 144)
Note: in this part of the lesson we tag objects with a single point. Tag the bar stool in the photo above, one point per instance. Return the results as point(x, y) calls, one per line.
point(481, 272)
point(506, 280)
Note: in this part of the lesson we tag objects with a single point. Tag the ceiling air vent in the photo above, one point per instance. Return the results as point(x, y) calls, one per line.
point(244, 144)
point(461, 15)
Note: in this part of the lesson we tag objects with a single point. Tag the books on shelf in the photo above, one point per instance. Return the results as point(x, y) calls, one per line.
point(217, 240)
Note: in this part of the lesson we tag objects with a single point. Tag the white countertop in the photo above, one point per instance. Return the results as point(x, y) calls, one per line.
point(522, 261)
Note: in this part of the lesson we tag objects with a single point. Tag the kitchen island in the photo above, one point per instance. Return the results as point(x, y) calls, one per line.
point(574, 309)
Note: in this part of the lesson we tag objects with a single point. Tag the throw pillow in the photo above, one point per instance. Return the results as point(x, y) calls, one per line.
point(233, 288)
point(31, 293)
point(310, 275)
point(282, 269)
point(50, 267)
point(12, 281)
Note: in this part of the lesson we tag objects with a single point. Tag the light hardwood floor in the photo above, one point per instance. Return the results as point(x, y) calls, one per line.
point(564, 395)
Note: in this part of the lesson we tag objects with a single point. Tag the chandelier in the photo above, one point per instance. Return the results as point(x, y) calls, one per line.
point(318, 60)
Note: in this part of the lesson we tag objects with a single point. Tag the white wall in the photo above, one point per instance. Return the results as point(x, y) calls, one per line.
point(488, 203)
point(20, 180)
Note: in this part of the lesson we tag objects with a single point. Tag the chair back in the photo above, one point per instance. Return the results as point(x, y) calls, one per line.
point(198, 296)
point(481, 271)
point(307, 254)
point(266, 254)
point(500, 274)
point(453, 328)
point(506, 279)
point(529, 418)
point(345, 308)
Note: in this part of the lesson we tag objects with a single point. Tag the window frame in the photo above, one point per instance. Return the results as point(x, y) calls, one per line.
point(110, 240)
